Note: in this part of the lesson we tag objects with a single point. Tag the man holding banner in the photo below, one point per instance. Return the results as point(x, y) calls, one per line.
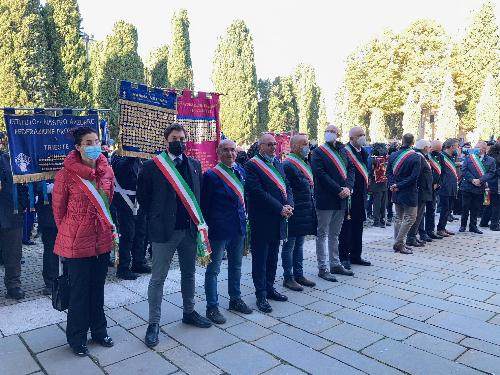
point(477, 168)
point(270, 205)
point(168, 189)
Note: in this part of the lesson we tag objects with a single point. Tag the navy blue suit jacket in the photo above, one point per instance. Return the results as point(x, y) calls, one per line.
point(265, 202)
point(360, 190)
point(406, 178)
point(469, 173)
point(449, 184)
point(221, 207)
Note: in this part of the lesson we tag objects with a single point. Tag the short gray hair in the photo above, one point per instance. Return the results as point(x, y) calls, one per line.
point(422, 143)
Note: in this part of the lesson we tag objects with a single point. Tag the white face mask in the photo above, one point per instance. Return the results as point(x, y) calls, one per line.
point(362, 140)
point(330, 137)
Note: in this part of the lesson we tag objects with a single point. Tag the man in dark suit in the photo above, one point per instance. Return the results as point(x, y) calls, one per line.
point(402, 173)
point(333, 184)
point(351, 234)
point(170, 228)
point(449, 185)
point(223, 206)
point(477, 169)
point(270, 205)
point(130, 217)
point(11, 226)
point(424, 188)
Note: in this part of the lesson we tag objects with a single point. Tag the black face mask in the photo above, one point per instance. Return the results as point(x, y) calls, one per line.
point(176, 147)
point(435, 153)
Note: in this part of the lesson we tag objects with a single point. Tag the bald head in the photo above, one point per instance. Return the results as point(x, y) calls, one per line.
point(436, 146)
point(299, 145)
point(482, 146)
point(332, 133)
point(267, 145)
point(357, 136)
point(226, 151)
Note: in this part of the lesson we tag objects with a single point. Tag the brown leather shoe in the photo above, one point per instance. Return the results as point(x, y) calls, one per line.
point(449, 233)
point(305, 282)
point(293, 285)
point(402, 249)
point(442, 233)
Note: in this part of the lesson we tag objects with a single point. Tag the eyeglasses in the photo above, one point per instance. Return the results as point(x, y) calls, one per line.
point(271, 144)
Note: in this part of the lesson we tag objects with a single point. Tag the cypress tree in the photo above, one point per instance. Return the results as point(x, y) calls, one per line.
point(71, 83)
point(25, 64)
point(412, 114)
point(487, 111)
point(180, 70)
point(157, 68)
point(234, 75)
point(308, 93)
point(447, 119)
point(377, 126)
point(263, 91)
point(322, 120)
point(344, 117)
point(283, 116)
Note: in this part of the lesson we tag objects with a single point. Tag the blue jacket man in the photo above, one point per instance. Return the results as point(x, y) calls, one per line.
point(402, 173)
point(477, 169)
point(223, 206)
point(270, 205)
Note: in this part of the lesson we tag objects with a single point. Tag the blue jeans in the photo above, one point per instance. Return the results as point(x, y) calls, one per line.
point(292, 256)
point(234, 249)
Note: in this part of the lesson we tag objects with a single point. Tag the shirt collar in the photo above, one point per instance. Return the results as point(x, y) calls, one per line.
point(354, 147)
point(173, 157)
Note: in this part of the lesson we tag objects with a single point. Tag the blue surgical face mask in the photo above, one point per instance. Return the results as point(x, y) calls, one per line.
point(304, 151)
point(474, 151)
point(93, 152)
point(455, 152)
point(330, 137)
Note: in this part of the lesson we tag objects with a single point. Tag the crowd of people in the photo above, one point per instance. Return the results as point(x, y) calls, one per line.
point(248, 200)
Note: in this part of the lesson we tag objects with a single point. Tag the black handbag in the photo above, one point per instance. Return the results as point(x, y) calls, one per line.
point(60, 290)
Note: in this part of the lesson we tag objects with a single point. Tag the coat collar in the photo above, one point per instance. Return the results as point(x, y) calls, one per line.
point(73, 162)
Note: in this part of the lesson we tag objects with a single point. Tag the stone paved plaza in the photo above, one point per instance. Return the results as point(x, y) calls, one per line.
point(434, 312)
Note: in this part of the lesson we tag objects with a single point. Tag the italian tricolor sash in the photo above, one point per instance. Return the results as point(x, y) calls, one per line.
point(227, 175)
point(302, 165)
point(478, 164)
point(450, 165)
point(271, 172)
point(186, 195)
point(425, 159)
point(398, 163)
point(337, 160)
point(435, 165)
point(361, 167)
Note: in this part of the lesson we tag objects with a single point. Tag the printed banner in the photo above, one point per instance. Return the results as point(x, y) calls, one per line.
point(200, 117)
point(38, 143)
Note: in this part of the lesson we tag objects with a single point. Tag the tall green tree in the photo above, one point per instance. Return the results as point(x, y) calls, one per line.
point(25, 63)
point(71, 84)
point(235, 76)
point(448, 123)
point(377, 128)
point(283, 114)
point(264, 91)
point(308, 96)
point(322, 120)
point(487, 111)
point(412, 114)
point(156, 70)
point(180, 69)
point(344, 116)
point(117, 60)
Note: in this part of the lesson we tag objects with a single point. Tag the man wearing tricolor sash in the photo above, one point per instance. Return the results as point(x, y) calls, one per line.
point(402, 172)
point(223, 207)
point(333, 185)
point(303, 220)
point(270, 206)
point(449, 185)
point(351, 234)
point(477, 169)
point(168, 189)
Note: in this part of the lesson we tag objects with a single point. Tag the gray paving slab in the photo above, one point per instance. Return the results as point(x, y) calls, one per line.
point(435, 345)
point(351, 336)
point(190, 362)
point(469, 292)
point(417, 311)
point(395, 275)
point(376, 312)
point(125, 318)
point(200, 340)
point(302, 299)
point(481, 361)
point(44, 338)
point(310, 321)
point(373, 324)
point(62, 361)
point(382, 301)
point(323, 307)
point(338, 300)
point(243, 359)
point(392, 291)
point(303, 357)
point(166, 342)
point(282, 309)
point(429, 329)
point(481, 345)
point(348, 291)
point(15, 359)
point(432, 284)
point(413, 360)
point(313, 341)
point(284, 370)
point(360, 361)
point(147, 363)
point(169, 312)
point(248, 331)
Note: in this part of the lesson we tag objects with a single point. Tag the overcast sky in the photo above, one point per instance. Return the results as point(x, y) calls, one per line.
point(285, 33)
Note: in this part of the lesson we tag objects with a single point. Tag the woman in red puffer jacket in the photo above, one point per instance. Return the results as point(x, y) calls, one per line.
point(84, 238)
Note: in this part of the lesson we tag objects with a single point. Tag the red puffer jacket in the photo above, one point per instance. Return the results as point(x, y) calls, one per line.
point(82, 232)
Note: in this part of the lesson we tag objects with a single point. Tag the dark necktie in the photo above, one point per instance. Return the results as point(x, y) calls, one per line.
point(177, 161)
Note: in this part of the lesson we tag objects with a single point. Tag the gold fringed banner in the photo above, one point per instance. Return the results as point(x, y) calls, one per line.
point(35, 177)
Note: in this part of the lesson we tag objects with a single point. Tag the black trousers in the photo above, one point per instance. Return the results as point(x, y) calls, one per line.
point(390, 212)
point(495, 210)
point(351, 240)
point(379, 205)
point(132, 238)
point(471, 203)
point(11, 249)
point(445, 206)
point(428, 223)
point(86, 302)
point(50, 268)
point(264, 264)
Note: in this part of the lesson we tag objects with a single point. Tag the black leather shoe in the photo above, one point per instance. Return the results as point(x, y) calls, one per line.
point(107, 342)
point(306, 282)
point(340, 270)
point(475, 230)
point(275, 296)
point(240, 306)
point(434, 236)
point(80, 350)
point(361, 262)
point(420, 241)
point(15, 293)
point(461, 229)
point(215, 316)
point(425, 237)
point(482, 225)
point(141, 268)
point(152, 332)
point(263, 305)
point(346, 264)
point(195, 319)
point(413, 242)
point(47, 291)
point(125, 274)
point(495, 228)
